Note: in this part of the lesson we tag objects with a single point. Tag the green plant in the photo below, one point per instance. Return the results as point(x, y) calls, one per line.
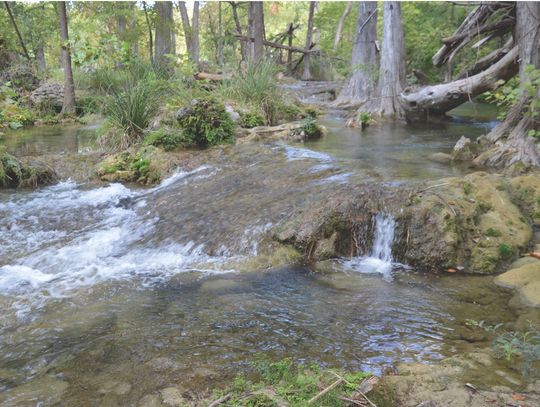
point(206, 123)
point(365, 117)
point(505, 251)
point(493, 232)
point(255, 87)
point(467, 188)
point(250, 119)
point(164, 138)
point(140, 167)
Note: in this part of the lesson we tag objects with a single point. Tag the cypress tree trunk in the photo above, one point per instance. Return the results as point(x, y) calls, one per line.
point(150, 35)
point(163, 44)
point(392, 70)
point(40, 58)
point(68, 106)
point(257, 19)
point(234, 6)
point(306, 76)
point(509, 144)
point(195, 32)
point(365, 58)
point(341, 24)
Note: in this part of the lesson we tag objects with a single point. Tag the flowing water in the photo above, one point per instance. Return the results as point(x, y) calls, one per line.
point(111, 293)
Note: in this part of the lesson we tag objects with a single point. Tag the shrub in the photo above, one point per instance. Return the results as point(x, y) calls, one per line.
point(250, 119)
point(166, 139)
point(206, 123)
point(505, 251)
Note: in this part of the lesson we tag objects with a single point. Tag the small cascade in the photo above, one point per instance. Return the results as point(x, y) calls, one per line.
point(384, 237)
point(380, 260)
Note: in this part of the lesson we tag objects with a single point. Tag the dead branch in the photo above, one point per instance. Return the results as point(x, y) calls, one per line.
point(274, 44)
point(326, 390)
point(221, 400)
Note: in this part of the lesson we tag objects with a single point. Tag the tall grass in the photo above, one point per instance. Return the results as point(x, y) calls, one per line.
point(133, 99)
point(255, 88)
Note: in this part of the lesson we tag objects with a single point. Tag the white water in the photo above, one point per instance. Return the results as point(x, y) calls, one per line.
point(60, 239)
point(380, 259)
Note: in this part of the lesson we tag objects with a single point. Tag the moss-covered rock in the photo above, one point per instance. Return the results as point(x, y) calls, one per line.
point(526, 279)
point(526, 193)
point(31, 173)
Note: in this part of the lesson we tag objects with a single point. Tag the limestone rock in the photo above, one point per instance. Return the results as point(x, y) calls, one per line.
point(441, 158)
point(525, 278)
point(464, 150)
point(49, 94)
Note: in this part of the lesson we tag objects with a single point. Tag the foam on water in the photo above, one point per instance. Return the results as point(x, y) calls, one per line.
point(380, 259)
point(59, 239)
point(297, 153)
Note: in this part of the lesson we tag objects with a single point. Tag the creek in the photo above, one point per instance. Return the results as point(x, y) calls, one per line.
point(112, 292)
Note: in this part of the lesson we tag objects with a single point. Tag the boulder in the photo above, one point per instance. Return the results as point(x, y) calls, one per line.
point(526, 279)
point(49, 96)
point(441, 158)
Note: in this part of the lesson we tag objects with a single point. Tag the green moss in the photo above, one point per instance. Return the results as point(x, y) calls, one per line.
point(168, 139)
point(491, 232)
point(467, 188)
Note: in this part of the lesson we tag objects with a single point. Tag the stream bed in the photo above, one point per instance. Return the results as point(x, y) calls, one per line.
point(111, 293)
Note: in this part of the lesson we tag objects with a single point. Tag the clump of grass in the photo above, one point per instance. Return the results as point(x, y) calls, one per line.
point(491, 232)
point(255, 87)
point(251, 119)
point(505, 251)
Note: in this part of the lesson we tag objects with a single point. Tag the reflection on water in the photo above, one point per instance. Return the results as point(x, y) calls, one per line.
point(34, 141)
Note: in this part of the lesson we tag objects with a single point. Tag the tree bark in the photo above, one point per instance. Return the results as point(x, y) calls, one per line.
point(16, 28)
point(164, 38)
point(365, 58)
point(40, 58)
point(234, 6)
point(509, 144)
point(392, 70)
point(341, 24)
point(195, 33)
point(150, 35)
point(306, 76)
point(257, 19)
point(439, 99)
point(186, 26)
point(68, 106)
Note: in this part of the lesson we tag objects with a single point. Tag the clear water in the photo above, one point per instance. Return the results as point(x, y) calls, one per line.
point(112, 293)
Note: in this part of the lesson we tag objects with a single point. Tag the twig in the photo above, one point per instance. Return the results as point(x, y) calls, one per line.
point(355, 402)
point(358, 391)
point(322, 393)
point(432, 186)
point(220, 400)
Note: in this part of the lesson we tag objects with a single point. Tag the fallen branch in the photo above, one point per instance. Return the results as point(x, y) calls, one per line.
point(210, 76)
point(323, 392)
point(274, 44)
point(357, 390)
point(221, 400)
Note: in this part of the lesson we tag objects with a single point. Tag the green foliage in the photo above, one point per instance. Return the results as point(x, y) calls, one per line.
point(10, 170)
point(467, 188)
point(365, 117)
point(206, 123)
point(277, 383)
point(140, 166)
point(255, 88)
point(12, 114)
point(505, 251)
point(493, 232)
point(250, 119)
point(164, 138)
point(505, 96)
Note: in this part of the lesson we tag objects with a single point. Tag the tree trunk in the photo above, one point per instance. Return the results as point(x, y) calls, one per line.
point(134, 37)
point(439, 99)
point(392, 71)
point(257, 30)
point(365, 58)
point(16, 28)
point(40, 59)
point(341, 24)
point(68, 106)
point(234, 6)
point(195, 33)
point(164, 38)
point(187, 27)
point(306, 76)
point(219, 52)
point(509, 144)
point(150, 35)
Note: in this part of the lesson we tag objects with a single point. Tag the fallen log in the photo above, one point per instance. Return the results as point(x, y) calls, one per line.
point(210, 76)
point(439, 99)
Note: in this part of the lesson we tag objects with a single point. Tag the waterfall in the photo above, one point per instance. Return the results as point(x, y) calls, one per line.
point(380, 260)
point(384, 236)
